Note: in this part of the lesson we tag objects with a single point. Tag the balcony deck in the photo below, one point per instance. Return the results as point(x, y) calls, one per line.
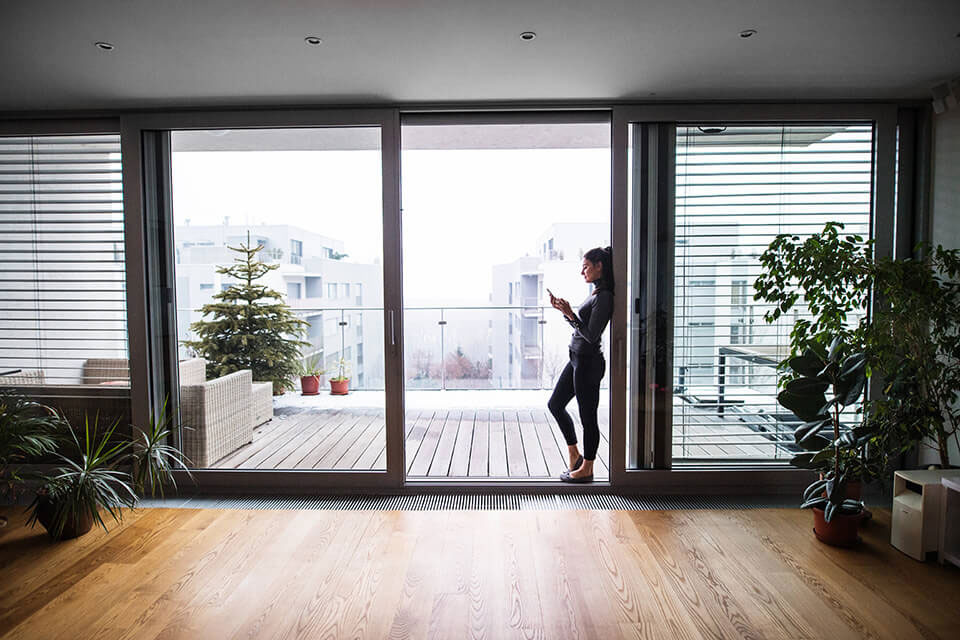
point(447, 443)
point(504, 434)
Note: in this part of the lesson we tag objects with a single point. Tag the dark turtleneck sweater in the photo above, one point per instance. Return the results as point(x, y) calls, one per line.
point(592, 318)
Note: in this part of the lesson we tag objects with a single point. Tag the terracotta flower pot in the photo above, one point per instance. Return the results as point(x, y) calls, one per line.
point(340, 387)
point(841, 531)
point(309, 385)
point(72, 529)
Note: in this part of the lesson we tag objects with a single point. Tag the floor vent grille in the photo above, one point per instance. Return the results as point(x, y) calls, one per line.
point(478, 502)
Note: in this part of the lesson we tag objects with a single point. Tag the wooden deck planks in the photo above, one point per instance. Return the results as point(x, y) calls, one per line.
point(454, 443)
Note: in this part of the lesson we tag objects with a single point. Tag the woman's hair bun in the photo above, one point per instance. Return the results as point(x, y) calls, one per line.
point(608, 251)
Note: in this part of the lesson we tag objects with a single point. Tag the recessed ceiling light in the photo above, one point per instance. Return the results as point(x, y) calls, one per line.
point(313, 40)
point(103, 46)
point(528, 36)
point(746, 33)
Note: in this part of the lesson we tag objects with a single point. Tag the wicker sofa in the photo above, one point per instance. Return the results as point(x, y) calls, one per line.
point(218, 416)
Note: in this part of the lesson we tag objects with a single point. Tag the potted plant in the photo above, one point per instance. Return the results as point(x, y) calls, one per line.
point(340, 383)
point(824, 383)
point(28, 430)
point(310, 373)
point(69, 502)
point(94, 475)
point(915, 344)
point(830, 273)
point(153, 460)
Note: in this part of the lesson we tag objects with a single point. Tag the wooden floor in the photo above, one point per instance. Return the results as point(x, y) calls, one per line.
point(215, 574)
point(439, 443)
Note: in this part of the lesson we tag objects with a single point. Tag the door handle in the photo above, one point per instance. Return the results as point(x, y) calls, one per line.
point(393, 334)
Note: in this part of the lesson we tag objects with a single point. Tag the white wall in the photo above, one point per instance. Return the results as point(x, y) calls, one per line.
point(946, 205)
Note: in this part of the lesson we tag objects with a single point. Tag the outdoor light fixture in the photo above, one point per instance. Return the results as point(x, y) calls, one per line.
point(313, 40)
point(528, 36)
point(746, 33)
point(103, 46)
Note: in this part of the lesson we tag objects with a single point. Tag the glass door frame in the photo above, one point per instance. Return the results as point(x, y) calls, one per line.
point(146, 175)
point(651, 318)
point(426, 116)
point(644, 433)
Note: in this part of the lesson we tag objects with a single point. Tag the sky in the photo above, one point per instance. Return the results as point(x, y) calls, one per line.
point(463, 210)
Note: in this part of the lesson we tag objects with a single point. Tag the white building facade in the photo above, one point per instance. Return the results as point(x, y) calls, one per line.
point(341, 300)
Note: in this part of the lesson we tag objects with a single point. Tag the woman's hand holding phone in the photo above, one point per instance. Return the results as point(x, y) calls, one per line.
point(560, 305)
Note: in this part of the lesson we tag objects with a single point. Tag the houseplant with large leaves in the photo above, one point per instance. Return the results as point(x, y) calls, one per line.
point(826, 384)
point(915, 342)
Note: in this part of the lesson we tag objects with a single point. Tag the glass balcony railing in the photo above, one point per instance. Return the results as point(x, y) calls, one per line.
point(445, 348)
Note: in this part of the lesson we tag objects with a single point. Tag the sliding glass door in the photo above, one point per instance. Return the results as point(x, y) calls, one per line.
point(273, 295)
point(737, 188)
point(278, 242)
point(499, 210)
point(708, 190)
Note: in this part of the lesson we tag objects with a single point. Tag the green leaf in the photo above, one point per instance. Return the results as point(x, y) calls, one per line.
point(809, 429)
point(835, 347)
point(853, 363)
point(849, 388)
point(806, 407)
point(807, 387)
point(802, 461)
point(828, 510)
point(807, 364)
point(818, 501)
point(814, 490)
point(825, 453)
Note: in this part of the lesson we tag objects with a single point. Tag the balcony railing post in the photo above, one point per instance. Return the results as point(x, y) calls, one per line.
point(343, 332)
point(541, 322)
point(443, 368)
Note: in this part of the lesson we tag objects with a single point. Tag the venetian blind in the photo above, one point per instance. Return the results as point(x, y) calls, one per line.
point(736, 189)
point(62, 281)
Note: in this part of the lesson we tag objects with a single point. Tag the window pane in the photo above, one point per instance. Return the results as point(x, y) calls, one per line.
point(63, 331)
point(736, 189)
point(310, 201)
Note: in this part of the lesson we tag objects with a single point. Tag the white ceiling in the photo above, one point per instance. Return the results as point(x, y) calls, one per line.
point(251, 52)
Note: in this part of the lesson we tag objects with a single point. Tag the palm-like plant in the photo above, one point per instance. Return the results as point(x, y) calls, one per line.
point(87, 480)
point(28, 430)
point(154, 460)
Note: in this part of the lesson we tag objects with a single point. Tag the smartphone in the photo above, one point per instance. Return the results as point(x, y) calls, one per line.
point(550, 292)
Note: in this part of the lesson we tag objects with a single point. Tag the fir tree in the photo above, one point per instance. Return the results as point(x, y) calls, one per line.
point(251, 326)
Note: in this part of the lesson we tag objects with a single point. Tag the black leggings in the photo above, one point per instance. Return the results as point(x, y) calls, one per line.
point(581, 378)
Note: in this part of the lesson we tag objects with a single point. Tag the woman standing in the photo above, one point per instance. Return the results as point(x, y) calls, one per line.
point(582, 375)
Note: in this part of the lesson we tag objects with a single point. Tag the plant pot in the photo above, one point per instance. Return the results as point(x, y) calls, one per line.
point(841, 531)
point(74, 528)
point(309, 385)
point(339, 387)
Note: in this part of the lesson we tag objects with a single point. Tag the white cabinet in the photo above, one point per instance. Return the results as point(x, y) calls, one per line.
point(950, 520)
point(915, 517)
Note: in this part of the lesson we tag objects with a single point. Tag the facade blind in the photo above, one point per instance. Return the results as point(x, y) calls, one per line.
point(63, 328)
point(736, 189)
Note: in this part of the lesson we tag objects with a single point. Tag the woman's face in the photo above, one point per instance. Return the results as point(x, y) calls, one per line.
point(591, 271)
